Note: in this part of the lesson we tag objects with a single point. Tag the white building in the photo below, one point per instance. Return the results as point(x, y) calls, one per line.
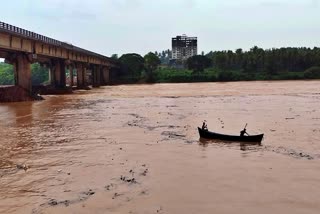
point(184, 47)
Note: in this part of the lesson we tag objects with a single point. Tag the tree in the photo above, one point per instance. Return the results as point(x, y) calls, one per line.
point(132, 64)
point(39, 75)
point(114, 56)
point(225, 76)
point(6, 74)
point(312, 73)
point(198, 63)
point(151, 62)
point(239, 51)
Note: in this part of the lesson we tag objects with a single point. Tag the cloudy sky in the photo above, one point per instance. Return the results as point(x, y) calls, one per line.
point(123, 26)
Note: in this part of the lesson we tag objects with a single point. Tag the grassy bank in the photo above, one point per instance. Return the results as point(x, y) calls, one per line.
point(170, 75)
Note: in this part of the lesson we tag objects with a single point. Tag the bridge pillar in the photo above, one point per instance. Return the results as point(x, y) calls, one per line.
point(96, 79)
point(81, 83)
point(85, 75)
point(105, 75)
point(71, 68)
point(59, 73)
point(51, 75)
point(22, 72)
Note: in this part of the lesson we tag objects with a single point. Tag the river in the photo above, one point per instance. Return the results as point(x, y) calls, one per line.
point(135, 149)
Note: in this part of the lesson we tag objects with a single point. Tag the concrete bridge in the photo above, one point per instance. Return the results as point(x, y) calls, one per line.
point(21, 48)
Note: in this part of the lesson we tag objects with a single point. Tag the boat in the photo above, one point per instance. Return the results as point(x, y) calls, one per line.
point(212, 135)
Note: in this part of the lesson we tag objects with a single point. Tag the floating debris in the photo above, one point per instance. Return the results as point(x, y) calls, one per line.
point(23, 166)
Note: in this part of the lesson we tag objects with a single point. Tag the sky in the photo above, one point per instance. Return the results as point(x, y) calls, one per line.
point(140, 26)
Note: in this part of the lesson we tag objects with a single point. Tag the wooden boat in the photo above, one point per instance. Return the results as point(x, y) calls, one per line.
point(212, 135)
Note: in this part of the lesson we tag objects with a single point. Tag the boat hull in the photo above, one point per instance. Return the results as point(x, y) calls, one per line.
point(212, 135)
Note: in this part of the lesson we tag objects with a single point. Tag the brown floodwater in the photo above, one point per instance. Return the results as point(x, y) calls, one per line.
point(81, 152)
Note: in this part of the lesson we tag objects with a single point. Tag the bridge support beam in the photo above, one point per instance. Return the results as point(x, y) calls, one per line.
point(81, 80)
point(22, 71)
point(71, 75)
point(58, 74)
point(96, 76)
point(51, 75)
point(105, 76)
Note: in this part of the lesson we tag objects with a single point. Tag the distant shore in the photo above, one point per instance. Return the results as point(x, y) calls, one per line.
point(172, 75)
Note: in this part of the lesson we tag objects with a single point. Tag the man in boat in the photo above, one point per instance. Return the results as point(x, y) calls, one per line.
point(204, 126)
point(243, 132)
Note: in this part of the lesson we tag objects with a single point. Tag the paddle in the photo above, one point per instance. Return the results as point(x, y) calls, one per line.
point(245, 128)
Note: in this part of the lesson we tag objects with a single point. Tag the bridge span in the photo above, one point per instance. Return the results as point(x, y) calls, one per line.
point(21, 48)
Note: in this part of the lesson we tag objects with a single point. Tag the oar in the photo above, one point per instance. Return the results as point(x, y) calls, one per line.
point(245, 128)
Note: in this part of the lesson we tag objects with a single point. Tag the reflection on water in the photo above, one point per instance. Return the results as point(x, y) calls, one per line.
point(78, 147)
point(243, 146)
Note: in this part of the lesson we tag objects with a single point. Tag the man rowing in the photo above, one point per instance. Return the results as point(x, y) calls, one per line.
point(243, 132)
point(204, 126)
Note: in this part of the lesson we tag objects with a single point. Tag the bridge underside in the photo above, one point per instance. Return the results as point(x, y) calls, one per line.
point(57, 70)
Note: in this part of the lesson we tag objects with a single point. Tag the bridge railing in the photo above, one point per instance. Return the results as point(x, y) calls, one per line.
point(26, 33)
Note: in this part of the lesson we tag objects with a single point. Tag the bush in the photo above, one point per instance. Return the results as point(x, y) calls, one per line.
point(312, 73)
point(290, 76)
point(225, 76)
point(198, 63)
point(171, 75)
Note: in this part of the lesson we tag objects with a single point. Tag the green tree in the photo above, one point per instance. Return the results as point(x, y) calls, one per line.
point(114, 56)
point(225, 76)
point(6, 74)
point(151, 62)
point(132, 65)
point(198, 63)
point(312, 73)
point(39, 74)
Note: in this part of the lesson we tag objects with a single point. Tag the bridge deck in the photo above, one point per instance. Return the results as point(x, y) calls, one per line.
point(31, 36)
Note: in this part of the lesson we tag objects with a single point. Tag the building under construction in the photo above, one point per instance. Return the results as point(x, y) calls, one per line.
point(184, 47)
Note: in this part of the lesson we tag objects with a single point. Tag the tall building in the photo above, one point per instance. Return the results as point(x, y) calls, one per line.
point(184, 47)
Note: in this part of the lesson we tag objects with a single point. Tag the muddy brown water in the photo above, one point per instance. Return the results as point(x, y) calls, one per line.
point(82, 151)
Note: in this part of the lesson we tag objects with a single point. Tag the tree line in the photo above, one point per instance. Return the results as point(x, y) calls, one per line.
point(39, 74)
point(135, 68)
point(254, 64)
point(271, 61)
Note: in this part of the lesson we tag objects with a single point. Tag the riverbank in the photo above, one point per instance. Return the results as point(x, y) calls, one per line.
point(18, 94)
point(15, 94)
point(169, 75)
point(172, 75)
